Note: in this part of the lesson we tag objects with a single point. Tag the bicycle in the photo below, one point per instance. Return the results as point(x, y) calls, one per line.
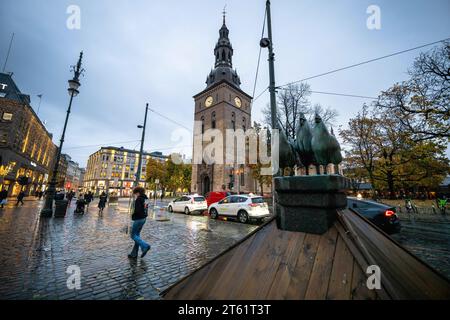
point(442, 205)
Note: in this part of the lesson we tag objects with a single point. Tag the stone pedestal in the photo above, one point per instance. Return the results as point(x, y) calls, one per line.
point(309, 203)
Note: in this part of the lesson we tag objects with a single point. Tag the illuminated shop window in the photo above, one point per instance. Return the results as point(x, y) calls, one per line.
point(7, 116)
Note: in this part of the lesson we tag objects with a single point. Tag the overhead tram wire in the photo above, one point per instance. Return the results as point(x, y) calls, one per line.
point(169, 119)
point(340, 94)
point(259, 55)
point(99, 145)
point(344, 95)
point(357, 65)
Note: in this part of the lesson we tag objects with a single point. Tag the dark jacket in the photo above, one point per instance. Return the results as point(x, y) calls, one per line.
point(3, 194)
point(140, 211)
point(102, 201)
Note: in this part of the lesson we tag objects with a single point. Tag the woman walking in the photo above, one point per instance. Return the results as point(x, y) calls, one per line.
point(102, 202)
point(139, 217)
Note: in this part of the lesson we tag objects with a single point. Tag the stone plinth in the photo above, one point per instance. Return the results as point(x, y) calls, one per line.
point(309, 203)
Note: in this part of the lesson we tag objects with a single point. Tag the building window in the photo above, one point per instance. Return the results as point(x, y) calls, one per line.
point(213, 120)
point(203, 124)
point(3, 138)
point(7, 116)
point(233, 121)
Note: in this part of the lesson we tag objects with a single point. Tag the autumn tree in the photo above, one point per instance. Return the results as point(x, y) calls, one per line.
point(360, 137)
point(157, 170)
point(421, 104)
point(391, 159)
point(172, 174)
point(257, 168)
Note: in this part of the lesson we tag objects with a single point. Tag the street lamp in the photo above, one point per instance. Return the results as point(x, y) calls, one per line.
point(74, 84)
point(141, 151)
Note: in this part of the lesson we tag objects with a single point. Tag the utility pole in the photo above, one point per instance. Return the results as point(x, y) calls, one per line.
point(273, 101)
point(141, 151)
point(268, 43)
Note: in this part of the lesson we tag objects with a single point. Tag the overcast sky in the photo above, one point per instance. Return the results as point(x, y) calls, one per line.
point(161, 51)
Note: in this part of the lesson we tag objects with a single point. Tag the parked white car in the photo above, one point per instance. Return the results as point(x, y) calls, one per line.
point(188, 204)
point(244, 207)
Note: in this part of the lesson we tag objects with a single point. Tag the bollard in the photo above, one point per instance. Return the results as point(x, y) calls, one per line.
point(61, 208)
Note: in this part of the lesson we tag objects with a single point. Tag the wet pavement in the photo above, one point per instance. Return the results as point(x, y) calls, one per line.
point(35, 252)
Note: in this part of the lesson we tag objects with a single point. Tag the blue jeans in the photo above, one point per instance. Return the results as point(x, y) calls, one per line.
point(136, 236)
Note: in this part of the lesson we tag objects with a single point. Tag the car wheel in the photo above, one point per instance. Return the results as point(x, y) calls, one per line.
point(170, 209)
point(186, 210)
point(243, 216)
point(213, 213)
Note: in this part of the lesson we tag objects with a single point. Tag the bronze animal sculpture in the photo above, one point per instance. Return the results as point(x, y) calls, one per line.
point(325, 146)
point(303, 143)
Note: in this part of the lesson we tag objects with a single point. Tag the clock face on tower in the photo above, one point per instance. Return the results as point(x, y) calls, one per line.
point(237, 102)
point(209, 101)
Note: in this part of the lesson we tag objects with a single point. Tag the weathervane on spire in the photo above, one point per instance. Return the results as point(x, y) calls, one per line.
point(224, 12)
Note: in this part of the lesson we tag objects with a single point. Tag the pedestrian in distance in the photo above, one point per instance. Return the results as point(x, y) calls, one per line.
point(88, 198)
point(20, 197)
point(3, 198)
point(139, 218)
point(70, 195)
point(102, 202)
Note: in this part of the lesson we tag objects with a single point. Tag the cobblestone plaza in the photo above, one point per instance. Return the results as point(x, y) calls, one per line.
point(35, 252)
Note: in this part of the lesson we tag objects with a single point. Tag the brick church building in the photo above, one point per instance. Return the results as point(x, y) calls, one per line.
point(222, 105)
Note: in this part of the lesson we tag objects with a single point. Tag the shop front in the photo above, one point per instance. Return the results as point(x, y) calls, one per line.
point(25, 175)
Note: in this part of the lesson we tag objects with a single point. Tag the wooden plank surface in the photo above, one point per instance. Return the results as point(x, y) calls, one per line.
point(342, 272)
point(277, 264)
point(229, 282)
point(287, 267)
point(320, 274)
point(361, 261)
point(403, 275)
point(359, 290)
point(303, 267)
point(261, 274)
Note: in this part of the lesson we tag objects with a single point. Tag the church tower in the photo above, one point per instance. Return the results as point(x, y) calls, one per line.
point(222, 105)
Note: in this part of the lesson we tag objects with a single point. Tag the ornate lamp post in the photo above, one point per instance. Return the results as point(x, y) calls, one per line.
point(74, 84)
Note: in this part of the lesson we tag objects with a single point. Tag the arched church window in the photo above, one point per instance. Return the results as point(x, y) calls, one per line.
point(243, 124)
point(233, 121)
point(213, 120)
point(229, 56)
point(223, 55)
point(203, 124)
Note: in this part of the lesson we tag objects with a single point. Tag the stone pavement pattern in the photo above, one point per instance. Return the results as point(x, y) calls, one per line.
point(35, 252)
